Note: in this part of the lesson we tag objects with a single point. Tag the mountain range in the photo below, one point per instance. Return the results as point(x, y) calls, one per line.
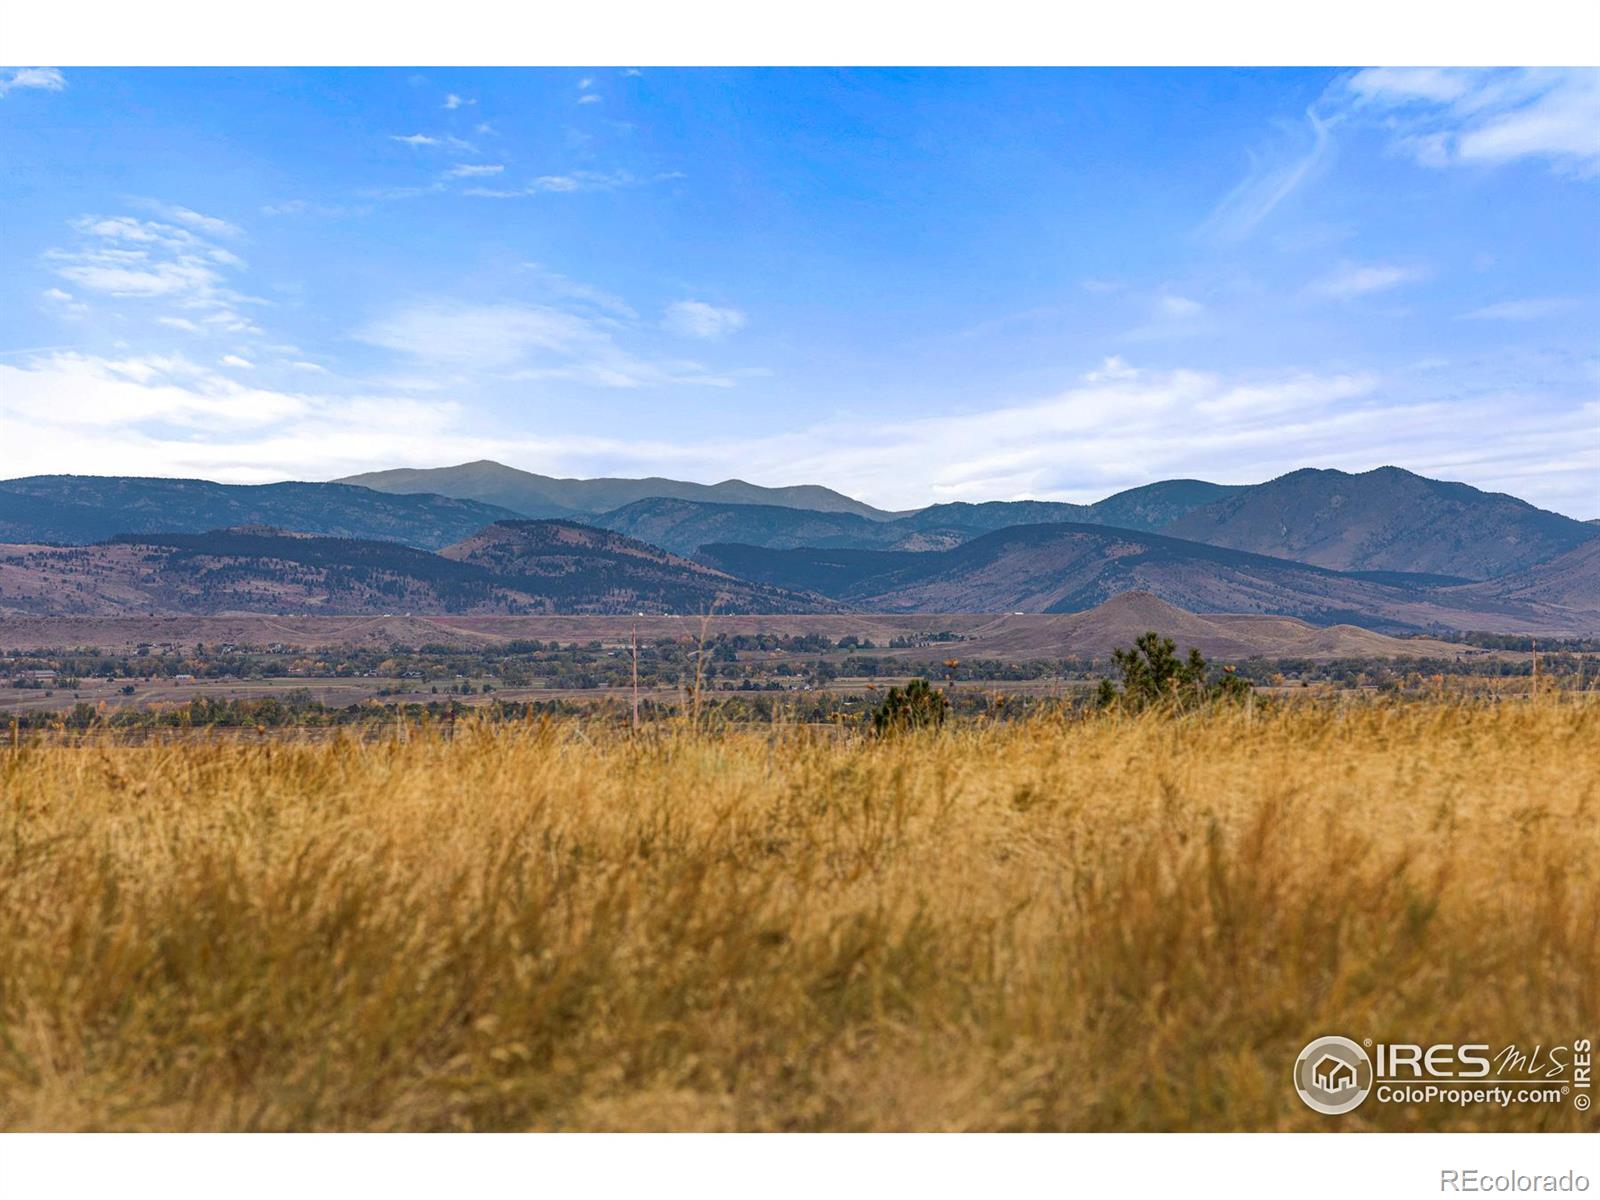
point(1386, 519)
point(1070, 567)
point(517, 567)
point(685, 526)
point(79, 509)
point(1383, 520)
point(543, 496)
point(1386, 549)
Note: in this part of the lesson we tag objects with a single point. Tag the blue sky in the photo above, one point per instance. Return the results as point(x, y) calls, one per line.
point(909, 285)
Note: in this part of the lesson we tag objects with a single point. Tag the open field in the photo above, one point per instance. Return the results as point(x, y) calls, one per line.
point(107, 695)
point(1008, 635)
point(1063, 923)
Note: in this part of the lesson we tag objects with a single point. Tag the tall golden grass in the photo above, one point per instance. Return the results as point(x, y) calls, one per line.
point(1104, 924)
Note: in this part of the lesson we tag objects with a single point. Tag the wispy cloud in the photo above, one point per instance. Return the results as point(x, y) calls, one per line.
point(1122, 426)
point(528, 342)
point(1169, 315)
point(573, 181)
point(1177, 308)
point(47, 79)
point(1532, 309)
point(166, 415)
point(453, 101)
point(1350, 280)
point(67, 390)
point(1457, 116)
point(697, 319)
point(129, 258)
point(1119, 426)
point(1272, 178)
point(561, 287)
point(448, 141)
point(63, 303)
point(187, 217)
point(474, 170)
point(590, 98)
point(309, 208)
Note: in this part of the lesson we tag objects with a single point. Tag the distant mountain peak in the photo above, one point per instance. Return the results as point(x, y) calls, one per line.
point(1385, 519)
point(541, 496)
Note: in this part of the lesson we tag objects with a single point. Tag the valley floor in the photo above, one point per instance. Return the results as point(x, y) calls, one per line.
point(1099, 922)
point(1002, 635)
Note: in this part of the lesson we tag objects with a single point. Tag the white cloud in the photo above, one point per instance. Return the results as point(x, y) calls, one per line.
point(491, 337)
point(585, 84)
point(1454, 116)
point(182, 323)
point(63, 303)
point(1439, 116)
point(69, 391)
point(583, 181)
point(528, 342)
point(1119, 427)
point(453, 101)
point(697, 319)
point(474, 170)
point(573, 181)
point(1441, 85)
point(132, 259)
point(226, 320)
point(167, 416)
point(1354, 279)
point(1521, 310)
point(104, 272)
point(1112, 367)
point(233, 360)
point(1270, 181)
point(1178, 307)
point(200, 222)
point(296, 208)
point(423, 139)
point(47, 79)
point(558, 285)
point(1123, 426)
point(589, 98)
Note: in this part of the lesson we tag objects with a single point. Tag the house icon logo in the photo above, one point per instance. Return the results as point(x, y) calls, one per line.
point(1333, 1075)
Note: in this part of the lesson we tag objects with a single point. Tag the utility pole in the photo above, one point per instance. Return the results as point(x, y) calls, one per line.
point(633, 645)
point(1535, 643)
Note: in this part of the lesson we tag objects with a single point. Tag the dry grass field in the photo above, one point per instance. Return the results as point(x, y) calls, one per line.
point(1110, 923)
